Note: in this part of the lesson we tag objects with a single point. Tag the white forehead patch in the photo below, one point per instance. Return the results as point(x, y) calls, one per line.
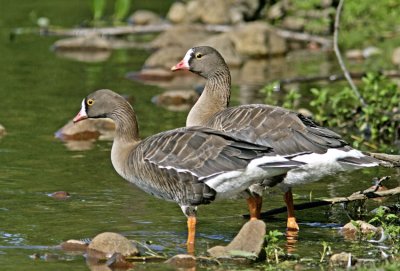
point(187, 57)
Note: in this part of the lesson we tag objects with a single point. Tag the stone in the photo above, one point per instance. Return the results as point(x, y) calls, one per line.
point(183, 36)
point(396, 56)
point(257, 39)
point(215, 12)
point(249, 241)
point(62, 195)
point(144, 17)
point(103, 129)
point(275, 11)
point(165, 58)
point(88, 43)
point(110, 243)
point(151, 75)
point(183, 261)
point(354, 54)
point(177, 13)
point(225, 47)
point(351, 231)
point(294, 23)
point(85, 55)
point(342, 259)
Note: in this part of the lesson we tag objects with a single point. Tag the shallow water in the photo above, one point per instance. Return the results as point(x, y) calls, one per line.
point(39, 93)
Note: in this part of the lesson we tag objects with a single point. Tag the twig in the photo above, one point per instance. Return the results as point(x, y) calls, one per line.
point(361, 195)
point(339, 56)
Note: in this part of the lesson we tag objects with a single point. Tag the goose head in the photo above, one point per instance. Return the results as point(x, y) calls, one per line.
point(202, 60)
point(100, 104)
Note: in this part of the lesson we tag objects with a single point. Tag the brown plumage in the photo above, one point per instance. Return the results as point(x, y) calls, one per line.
point(287, 132)
point(190, 166)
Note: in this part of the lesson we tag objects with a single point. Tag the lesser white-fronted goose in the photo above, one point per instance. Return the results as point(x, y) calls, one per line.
point(287, 132)
point(190, 166)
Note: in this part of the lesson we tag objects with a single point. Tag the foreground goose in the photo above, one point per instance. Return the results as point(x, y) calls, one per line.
point(190, 166)
point(287, 132)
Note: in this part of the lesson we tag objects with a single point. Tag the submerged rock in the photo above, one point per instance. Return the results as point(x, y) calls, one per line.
point(62, 195)
point(184, 261)
point(2, 131)
point(355, 228)
point(343, 259)
point(248, 243)
point(74, 245)
point(109, 243)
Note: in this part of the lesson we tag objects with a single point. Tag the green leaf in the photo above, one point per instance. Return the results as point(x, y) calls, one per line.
point(121, 9)
point(99, 7)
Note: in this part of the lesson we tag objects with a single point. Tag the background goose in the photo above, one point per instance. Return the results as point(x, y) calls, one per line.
point(287, 132)
point(190, 166)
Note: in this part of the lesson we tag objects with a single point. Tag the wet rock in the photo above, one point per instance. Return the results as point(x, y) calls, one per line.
point(103, 129)
point(183, 36)
point(176, 100)
point(151, 75)
point(184, 261)
point(225, 46)
point(88, 43)
point(355, 228)
point(110, 243)
point(62, 195)
point(257, 39)
point(144, 17)
point(396, 56)
point(165, 58)
point(248, 243)
point(343, 260)
point(74, 245)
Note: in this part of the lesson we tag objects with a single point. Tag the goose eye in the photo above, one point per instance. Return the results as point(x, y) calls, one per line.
point(90, 102)
point(199, 55)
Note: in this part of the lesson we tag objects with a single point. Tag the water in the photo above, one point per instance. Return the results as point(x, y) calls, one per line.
point(39, 93)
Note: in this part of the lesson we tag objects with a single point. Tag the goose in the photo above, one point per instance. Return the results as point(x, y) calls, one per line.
point(190, 166)
point(323, 151)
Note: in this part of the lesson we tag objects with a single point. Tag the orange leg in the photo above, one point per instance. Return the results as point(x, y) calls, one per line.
point(291, 219)
point(255, 204)
point(191, 223)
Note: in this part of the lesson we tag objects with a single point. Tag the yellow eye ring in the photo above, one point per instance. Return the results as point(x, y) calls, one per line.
point(90, 102)
point(199, 55)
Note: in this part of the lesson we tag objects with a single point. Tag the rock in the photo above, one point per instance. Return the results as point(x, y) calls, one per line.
point(151, 75)
point(177, 12)
point(110, 243)
point(183, 36)
point(249, 241)
point(343, 260)
point(275, 11)
point(144, 17)
point(225, 46)
point(60, 195)
point(85, 56)
point(257, 39)
point(371, 51)
point(215, 12)
point(88, 43)
point(294, 23)
point(103, 129)
point(355, 228)
point(74, 245)
point(183, 261)
point(165, 58)
point(118, 261)
point(176, 100)
point(396, 56)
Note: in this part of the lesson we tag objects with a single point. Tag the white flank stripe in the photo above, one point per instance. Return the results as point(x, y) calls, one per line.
point(331, 156)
